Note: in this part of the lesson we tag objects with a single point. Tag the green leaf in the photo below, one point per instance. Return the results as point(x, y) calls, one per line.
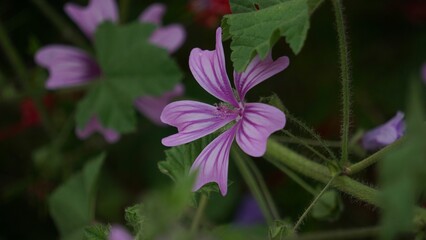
point(72, 204)
point(179, 161)
point(134, 217)
point(280, 230)
point(403, 170)
point(328, 207)
point(131, 67)
point(255, 32)
point(96, 232)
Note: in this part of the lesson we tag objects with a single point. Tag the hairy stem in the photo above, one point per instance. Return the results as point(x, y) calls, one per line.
point(345, 77)
point(258, 189)
point(198, 215)
point(311, 142)
point(316, 199)
point(316, 171)
point(372, 159)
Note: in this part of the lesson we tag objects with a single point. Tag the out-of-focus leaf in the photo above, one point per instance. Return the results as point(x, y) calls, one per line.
point(255, 32)
point(96, 232)
point(242, 6)
point(160, 211)
point(131, 67)
point(47, 159)
point(179, 161)
point(328, 207)
point(280, 230)
point(403, 171)
point(72, 204)
point(230, 232)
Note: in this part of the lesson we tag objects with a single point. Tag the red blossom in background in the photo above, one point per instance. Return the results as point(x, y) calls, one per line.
point(209, 12)
point(30, 117)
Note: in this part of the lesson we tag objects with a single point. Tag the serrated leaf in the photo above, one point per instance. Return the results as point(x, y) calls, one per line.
point(328, 207)
point(72, 204)
point(403, 171)
point(96, 232)
point(254, 33)
point(131, 67)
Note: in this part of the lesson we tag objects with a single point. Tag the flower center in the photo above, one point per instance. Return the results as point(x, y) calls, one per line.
point(224, 110)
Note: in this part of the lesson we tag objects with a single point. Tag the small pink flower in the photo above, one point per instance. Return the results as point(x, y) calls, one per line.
point(253, 123)
point(70, 66)
point(118, 232)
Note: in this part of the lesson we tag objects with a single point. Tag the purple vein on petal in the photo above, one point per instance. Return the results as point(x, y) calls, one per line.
point(208, 68)
point(193, 120)
point(212, 163)
point(259, 121)
point(258, 71)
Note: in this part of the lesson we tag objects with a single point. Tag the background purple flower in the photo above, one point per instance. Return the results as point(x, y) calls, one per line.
point(385, 134)
point(253, 123)
point(70, 66)
point(249, 213)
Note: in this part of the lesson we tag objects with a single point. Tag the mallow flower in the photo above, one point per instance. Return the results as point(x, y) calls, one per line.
point(385, 134)
point(251, 123)
point(249, 213)
point(69, 66)
point(118, 232)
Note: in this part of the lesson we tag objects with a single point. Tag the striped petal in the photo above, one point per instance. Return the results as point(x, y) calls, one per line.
point(193, 120)
point(68, 66)
point(93, 126)
point(212, 163)
point(152, 106)
point(153, 14)
point(259, 121)
point(208, 68)
point(88, 18)
point(258, 71)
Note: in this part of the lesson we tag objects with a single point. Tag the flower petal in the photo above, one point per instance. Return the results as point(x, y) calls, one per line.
point(385, 134)
point(258, 71)
point(152, 106)
point(194, 120)
point(259, 121)
point(249, 213)
point(118, 232)
point(170, 37)
point(93, 126)
point(153, 14)
point(88, 18)
point(212, 163)
point(208, 68)
point(68, 66)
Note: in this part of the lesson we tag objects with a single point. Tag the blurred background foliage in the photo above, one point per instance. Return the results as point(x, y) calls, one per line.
point(387, 47)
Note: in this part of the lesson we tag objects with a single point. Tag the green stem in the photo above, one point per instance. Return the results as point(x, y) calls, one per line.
point(360, 233)
point(198, 215)
point(316, 199)
point(311, 142)
point(23, 77)
point(320, 155)
point(60, 23)
point(372, 159)
point(304, 166)
point(294, 177)
point(268, 210)
point(345, 75)
point(307, 129)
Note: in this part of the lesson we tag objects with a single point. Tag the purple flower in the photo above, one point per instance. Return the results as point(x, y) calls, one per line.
point(249, 213)
point(252, 123)
point(385, 134)
point(70, 66)
point(118, 232)
point(93, 126)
